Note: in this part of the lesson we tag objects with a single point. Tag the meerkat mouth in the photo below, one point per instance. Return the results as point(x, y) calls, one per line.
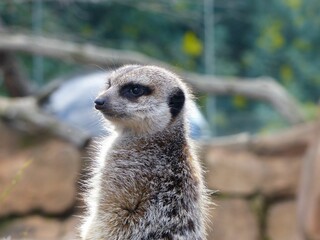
point(112, 114)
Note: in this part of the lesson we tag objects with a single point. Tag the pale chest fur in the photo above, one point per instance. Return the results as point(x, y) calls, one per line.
point(150, 188)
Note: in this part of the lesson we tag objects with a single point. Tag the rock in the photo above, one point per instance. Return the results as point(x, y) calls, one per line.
point(280, 175)
point(34, 227)
point(38, 177)
point(242, 172)
point(71, 228)
point(309, 193)
point(282, 221)
point(233, 171)
point(8, 138)
point(233, 219)
point(37, 227)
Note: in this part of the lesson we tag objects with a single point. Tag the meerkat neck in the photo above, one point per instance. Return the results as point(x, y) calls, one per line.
point(170, 140)
point(174, 129)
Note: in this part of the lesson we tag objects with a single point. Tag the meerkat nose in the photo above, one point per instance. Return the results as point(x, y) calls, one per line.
point(99, 103)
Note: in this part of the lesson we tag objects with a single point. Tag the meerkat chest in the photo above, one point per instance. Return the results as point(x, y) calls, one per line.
point(148, 169)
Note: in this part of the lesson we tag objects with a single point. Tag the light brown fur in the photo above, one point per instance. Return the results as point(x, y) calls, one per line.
point(148, 182)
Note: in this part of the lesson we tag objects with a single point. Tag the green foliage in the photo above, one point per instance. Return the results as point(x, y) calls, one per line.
point(284, 46)
point(114, 25)
point(277, 38)
point(311, 110)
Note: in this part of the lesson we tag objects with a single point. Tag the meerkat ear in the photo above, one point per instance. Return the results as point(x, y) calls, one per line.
point(176, 101)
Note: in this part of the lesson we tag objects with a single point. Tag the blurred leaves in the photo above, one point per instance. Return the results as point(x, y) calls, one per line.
point(251, 38)
point(240, 102)
point(286, 73)
point(293, 4)
point(271, 38)
point(285, 46)
point(311, 110)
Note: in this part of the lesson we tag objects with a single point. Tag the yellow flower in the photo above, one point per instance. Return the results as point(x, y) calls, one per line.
point(192, 45)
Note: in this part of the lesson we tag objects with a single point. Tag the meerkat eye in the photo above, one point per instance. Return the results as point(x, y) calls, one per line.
point(108, 84)
point(133, 91)
point(137, 90)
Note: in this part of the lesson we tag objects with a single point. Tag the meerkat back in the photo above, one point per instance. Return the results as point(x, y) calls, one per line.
point(148, 183)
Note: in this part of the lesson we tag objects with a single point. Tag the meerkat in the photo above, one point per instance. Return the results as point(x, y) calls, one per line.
point(148, 182)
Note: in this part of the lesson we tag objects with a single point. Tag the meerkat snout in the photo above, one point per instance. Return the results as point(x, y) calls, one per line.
point(99, 103)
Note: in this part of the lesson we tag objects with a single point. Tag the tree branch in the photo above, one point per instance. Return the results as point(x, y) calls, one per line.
point(25, 114)
point(265, 89)
point(292, 140)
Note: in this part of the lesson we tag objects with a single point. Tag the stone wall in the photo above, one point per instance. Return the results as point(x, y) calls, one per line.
point(258, 181)
point(254, 189)
point(256, 197)
point(38, 186)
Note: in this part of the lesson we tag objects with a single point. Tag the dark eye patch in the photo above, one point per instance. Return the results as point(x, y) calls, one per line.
point(132, 91)
point(176, 102)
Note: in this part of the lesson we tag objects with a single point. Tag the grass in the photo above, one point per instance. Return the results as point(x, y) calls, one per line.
point(6, 192)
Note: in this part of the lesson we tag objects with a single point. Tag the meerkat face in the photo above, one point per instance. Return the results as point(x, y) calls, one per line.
point(142, 98)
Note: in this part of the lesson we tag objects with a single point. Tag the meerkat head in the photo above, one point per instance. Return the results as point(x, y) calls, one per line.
point(142, 99)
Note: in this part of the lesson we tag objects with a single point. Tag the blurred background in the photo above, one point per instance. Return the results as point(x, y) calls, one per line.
point(253, 66)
